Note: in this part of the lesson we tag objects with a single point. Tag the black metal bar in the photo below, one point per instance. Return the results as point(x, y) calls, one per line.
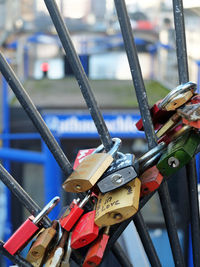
point(79, 73)
point(121, 256)
point(34, 115)
point(181, 50)
point(21, 194)
point(17, 259)
point(171, 224)
point(145, 114)
point(146, 240)
point(194, 212)
point(136, 71)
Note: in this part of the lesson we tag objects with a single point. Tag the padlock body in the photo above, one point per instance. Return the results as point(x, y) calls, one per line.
point(123, 161)
point(117, 179)
point(20, 238)
point(96, 251)
point(85, 231)
point(159, 117)
point(195, 124)
point(88, 172)
point(81, 155)
point(39, 248)
point(118, 205)
point(71, 216)
point(179, 100)
point(150, 180)
point(182, 149)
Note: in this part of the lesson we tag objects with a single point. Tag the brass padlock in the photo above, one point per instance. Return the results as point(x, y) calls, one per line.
point(55, 257)
point(91, 169)
point(39, 248)
point(179, 100)
point(168, 125)
point(118, 205)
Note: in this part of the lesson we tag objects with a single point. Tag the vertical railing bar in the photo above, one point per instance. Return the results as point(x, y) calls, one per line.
point(34, 115)
point(146, 240)
point(194, 211)
point(181, 50)
point(147, 122)
point(79, 73)
point(17, 259)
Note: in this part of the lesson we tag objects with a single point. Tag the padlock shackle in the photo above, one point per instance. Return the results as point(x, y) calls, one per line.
point(69, 249)
point(46, 210)
point(150, 163)
point(113, 150)
point(182, 88)
point(84, 201)
point(151, 153)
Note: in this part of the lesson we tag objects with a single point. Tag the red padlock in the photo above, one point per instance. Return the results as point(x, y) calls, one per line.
point(96, 251)
point(159, 117)
point(150, 181)
point(73, 213)
point(85, 231)
point(171, 134)
point(195, 124)
point(28, 229)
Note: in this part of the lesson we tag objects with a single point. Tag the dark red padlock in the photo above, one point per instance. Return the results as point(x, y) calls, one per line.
point(150, 180)
point(73, 213)
point(28, 229)
point(85, 231)
point(96, 251)
point(195, 99)
point(171, 134)
point(159, 117)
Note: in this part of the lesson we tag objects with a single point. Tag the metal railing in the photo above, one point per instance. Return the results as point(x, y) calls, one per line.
point(106, 139)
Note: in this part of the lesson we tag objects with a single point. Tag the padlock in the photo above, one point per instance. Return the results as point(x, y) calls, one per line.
point(168, 125)
point(66, 257)
point(179, 100)
point(121, 171)
point(190, 112)
point(28, 229)
point(194, 124)
point(91, 169)
point(55, 257)
point(40, 247)
point(150, 181)
point(73, 213)
point(195, 99)
point(179, 152)
point(159, 117)
point(85, 230)
point(181, 89)
point(118, 205)
point(97, 249)
point(81, 155)
point(174, 133)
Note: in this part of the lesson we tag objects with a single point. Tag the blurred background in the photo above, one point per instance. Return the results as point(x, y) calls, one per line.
point(29, 41)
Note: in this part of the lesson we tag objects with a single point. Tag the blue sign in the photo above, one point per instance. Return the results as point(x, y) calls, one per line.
point(81, 125)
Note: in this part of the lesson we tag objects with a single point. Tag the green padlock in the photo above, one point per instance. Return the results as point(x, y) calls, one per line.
point(179, 153)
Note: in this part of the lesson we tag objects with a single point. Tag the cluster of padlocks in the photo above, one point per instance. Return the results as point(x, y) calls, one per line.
point(111, 185)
